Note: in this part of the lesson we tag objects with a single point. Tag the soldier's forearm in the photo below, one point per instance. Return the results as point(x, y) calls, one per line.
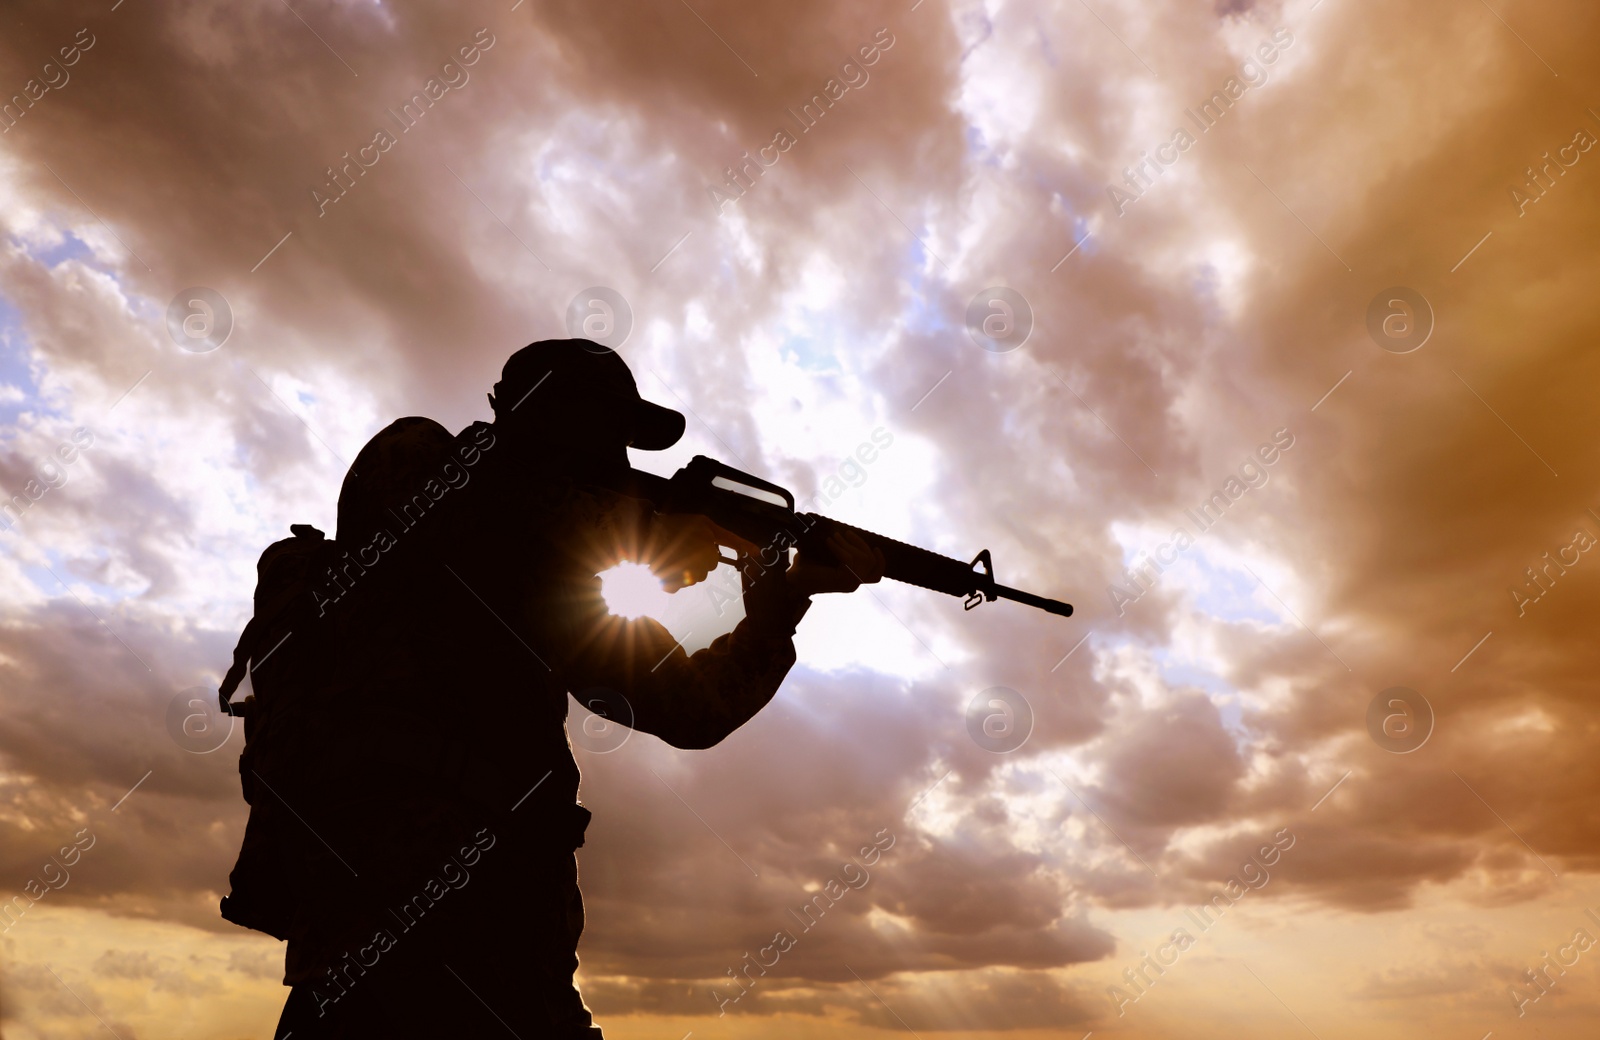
point(729, 682)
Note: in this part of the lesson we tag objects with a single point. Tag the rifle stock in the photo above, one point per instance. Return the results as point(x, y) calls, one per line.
point(764, 513)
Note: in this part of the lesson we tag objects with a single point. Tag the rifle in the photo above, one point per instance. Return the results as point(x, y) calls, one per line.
point(764, 513)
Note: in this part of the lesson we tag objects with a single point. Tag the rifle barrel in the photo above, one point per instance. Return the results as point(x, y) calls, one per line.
point(930, 570)
point(1054, 606)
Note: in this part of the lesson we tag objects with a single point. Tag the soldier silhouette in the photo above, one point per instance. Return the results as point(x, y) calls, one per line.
point(414, 796)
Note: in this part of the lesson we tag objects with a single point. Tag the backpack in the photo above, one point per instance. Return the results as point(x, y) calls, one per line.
point(290, 651)
point(268, 876)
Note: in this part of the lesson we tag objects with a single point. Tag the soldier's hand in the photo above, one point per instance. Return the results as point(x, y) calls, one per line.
point(858, 564)
point(685, 549)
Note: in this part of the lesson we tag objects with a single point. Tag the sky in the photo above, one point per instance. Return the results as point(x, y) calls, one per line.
point(1254, 330)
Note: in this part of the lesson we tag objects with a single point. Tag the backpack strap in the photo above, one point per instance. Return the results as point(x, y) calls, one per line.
point(237, 670)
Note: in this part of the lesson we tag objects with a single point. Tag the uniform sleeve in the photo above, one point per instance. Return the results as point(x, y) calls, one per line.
point(633, 670)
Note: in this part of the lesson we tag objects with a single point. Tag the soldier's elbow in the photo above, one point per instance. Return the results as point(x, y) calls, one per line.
point(700, 732)
point(694, 739)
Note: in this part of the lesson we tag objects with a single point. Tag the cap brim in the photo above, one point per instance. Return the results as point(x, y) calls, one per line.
point(655, 427)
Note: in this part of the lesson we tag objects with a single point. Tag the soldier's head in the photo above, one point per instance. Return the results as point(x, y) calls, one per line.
point(574, 403)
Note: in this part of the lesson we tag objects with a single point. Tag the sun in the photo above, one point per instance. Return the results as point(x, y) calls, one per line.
point(631, 590)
